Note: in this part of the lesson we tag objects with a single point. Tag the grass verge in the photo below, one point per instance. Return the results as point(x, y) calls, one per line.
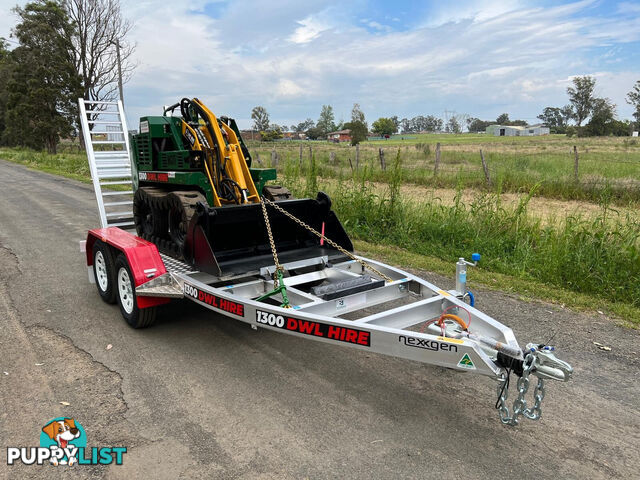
point(526, 290)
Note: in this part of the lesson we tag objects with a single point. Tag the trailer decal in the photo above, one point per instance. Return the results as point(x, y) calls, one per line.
point(214, 301)
point(427, 344)
point(315, 329)
point(153, 176)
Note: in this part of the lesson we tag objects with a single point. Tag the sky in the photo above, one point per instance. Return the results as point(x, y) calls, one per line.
point(399, 58)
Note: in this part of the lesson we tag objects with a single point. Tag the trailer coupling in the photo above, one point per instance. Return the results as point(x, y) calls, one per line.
point(539, 361)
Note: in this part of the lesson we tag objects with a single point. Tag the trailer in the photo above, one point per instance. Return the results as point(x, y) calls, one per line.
point(319, 291)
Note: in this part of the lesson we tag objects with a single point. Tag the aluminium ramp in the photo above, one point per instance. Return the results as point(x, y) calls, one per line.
point(106, 140)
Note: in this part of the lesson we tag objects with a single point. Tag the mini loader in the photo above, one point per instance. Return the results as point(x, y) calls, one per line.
point(211, 230)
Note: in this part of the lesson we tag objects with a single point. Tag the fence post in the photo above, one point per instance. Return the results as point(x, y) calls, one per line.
point(274, 158)
point(258, 158)
point(575, 163)
point(485, 167)
point(357, 155)
point(310, 154)
point(332, 157)
point(300, 153)
point(436, 167)
point(383, 165)
point(351, 164)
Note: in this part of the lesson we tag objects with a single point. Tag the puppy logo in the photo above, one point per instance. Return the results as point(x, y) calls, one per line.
point(63, 435)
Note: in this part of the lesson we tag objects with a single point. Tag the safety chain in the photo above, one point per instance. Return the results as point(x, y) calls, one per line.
point(320, 235)
point(273, 247)
point(520, 403)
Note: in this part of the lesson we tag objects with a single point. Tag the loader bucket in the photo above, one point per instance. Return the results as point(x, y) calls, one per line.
point(233, 240)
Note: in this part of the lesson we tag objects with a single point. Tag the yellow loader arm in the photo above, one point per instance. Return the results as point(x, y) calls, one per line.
point(224, 161)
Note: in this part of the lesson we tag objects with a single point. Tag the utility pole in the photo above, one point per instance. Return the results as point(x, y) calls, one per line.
point(119, 72)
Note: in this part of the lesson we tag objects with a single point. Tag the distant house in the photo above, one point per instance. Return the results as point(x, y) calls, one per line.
point(250, 134)
point(516, 131)
point(294, 136)
point(339, 136)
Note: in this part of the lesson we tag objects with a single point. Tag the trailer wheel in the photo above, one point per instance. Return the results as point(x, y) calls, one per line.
point(104, 271)
point(126, 295)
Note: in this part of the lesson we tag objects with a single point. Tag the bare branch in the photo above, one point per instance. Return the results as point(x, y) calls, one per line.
point(98, 26)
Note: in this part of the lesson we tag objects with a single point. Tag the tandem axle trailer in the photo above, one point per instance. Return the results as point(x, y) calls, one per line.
point(331, 295)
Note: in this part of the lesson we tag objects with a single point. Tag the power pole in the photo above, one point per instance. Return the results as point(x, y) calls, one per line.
point(119, 72)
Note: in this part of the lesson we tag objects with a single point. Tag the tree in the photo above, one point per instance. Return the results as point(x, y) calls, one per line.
point(396, 122)
point(5, 73)
point(555, 118)
point(581, 97)
point(433, 124)
point(357, 115)
point(358, 125)
point(313, 133)
point(303, 126)
point(273, 133)
point(552, 117)
point(503, 119)
point(405, 125)
point(260, 119)
point(326, 122)
point(603, 112)
point(43, 86)
point(476, 125)
point(567, 114)
point(384, 126)
point(453, 125)
point(99, 27)
point(633, 98)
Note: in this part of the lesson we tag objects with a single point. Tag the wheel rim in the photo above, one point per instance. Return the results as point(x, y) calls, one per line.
point(101, 271)
point(125, 291)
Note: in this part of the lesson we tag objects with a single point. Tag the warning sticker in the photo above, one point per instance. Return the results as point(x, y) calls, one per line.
point(466, 362)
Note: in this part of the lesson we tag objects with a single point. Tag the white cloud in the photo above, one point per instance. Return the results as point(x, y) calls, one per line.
point(309, 29)
point(294, 56)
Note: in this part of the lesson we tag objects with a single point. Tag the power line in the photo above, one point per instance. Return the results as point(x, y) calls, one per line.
point(10, 41)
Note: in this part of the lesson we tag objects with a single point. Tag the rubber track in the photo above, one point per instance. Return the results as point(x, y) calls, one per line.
point(161, 201)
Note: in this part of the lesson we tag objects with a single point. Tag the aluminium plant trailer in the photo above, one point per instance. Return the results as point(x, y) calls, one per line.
point(321, 291)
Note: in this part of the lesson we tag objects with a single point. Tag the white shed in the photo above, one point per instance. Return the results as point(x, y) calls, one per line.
point(517, 131)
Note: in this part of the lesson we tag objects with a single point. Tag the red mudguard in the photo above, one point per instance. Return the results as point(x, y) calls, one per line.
point(141, 255)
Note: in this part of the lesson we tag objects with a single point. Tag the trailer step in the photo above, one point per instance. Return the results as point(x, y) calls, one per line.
point(125, 192)
point(122, 224)
point(119, 214)
point(118, 182)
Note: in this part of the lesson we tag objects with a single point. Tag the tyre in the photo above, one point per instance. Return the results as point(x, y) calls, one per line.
point(126, 296)
point(104, 271)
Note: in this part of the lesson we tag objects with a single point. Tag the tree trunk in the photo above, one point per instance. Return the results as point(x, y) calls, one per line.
point(383, 164)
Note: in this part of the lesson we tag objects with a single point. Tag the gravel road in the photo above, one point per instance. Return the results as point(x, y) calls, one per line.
point(202, 396)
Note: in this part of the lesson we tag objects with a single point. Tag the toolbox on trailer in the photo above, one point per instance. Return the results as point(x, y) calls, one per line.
point(290, 268)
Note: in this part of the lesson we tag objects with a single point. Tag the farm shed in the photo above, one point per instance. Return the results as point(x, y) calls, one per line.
point(516, 131)
point(339, 136)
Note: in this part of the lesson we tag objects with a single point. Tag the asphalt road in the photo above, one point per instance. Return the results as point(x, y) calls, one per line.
point(201, 396)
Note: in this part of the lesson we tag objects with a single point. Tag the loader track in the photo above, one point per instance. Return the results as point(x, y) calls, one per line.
point(162, 217)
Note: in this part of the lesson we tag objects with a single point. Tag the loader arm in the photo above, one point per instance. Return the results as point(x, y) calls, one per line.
point(226, 164)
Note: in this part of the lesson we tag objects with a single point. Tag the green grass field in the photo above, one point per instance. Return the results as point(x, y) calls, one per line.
point(607, 166)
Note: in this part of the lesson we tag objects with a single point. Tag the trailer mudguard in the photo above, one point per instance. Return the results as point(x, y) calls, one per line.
point(143, 258)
